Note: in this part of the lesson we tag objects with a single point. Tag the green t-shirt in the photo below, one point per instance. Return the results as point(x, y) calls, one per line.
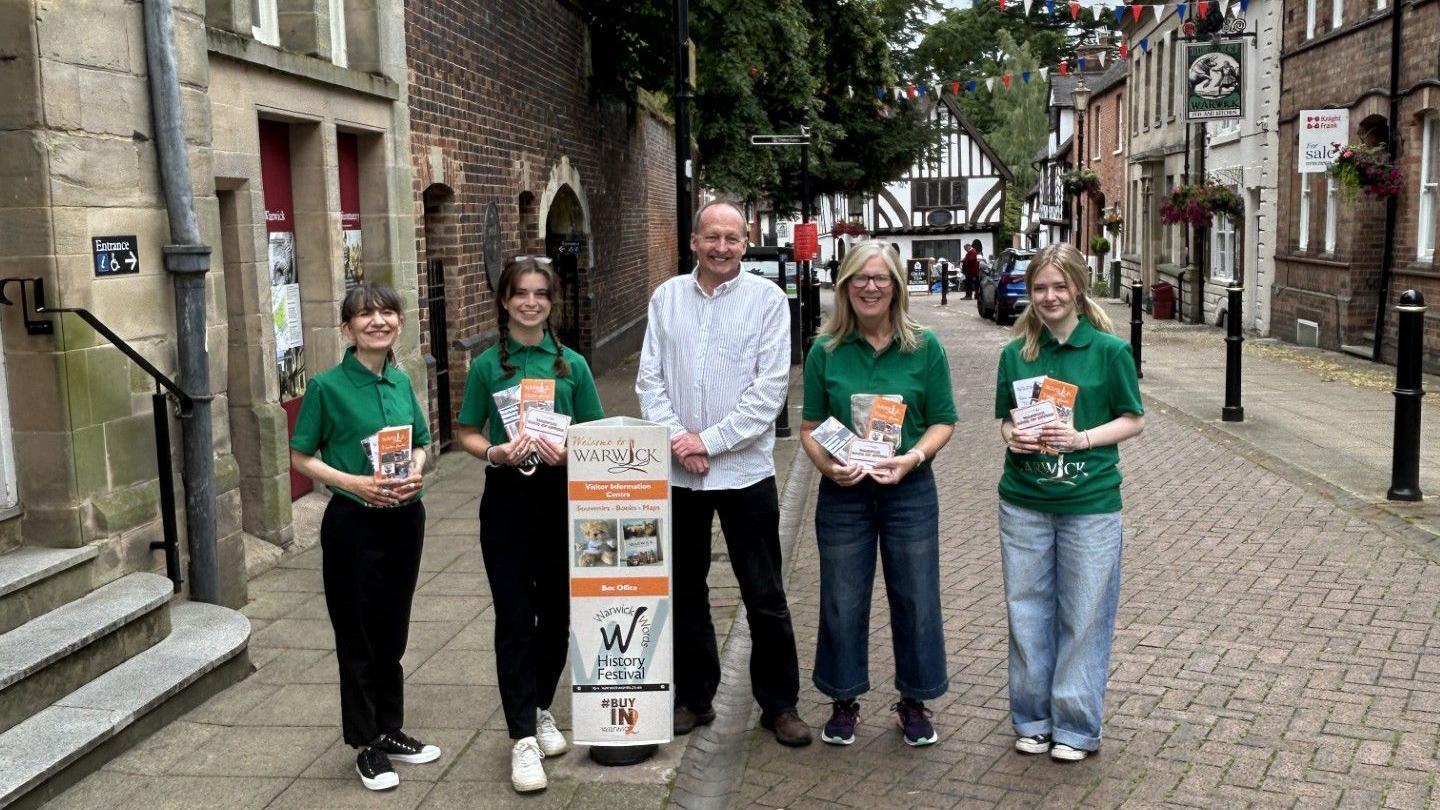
point(575, 394)
point(347, 404)
point(1085, 482)
point(921, 378)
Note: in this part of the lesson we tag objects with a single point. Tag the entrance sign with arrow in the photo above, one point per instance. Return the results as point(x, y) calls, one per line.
point(115, 255)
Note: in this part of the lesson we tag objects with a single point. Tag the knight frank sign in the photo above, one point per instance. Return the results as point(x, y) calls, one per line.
point(1215, 79)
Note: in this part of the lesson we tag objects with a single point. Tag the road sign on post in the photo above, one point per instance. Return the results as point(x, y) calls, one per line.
point(807, 242)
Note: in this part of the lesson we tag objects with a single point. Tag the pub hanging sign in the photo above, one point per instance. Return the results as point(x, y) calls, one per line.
point(1214, 79)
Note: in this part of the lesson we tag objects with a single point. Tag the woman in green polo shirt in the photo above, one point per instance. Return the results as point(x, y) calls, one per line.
point(1060, 529)
point(870, 347)
point(524, 538)
point(373, 530)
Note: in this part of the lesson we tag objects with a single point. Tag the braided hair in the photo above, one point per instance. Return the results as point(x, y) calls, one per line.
point(509, 278)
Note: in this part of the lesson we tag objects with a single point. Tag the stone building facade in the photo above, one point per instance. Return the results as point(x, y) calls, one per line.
point(299, 153)
point(1328, 283)
point(511, 156)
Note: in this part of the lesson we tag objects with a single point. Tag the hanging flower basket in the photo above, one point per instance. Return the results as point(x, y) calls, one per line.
point(1367, 169)
point(1081, 181)
point(1114, 223)
point(1099, 245)
point(1195, 205)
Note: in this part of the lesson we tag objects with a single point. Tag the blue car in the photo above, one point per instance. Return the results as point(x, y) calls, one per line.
point(1002, 295)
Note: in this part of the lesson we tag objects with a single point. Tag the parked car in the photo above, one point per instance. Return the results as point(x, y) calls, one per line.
point(1002, 295)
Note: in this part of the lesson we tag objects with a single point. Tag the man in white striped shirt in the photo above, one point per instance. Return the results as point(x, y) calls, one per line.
point(715, 368)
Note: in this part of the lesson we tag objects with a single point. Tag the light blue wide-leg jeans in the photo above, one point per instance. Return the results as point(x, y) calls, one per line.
point(1062, 587)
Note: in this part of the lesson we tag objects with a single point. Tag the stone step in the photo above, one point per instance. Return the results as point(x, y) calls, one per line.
point(86, 728)
point(35, 581)
point(56, 653)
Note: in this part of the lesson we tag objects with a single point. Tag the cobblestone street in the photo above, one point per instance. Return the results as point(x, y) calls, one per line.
point(1273, 649)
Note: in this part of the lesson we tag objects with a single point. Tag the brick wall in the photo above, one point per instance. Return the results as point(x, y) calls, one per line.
point(1111, 165)
point(1341, 289)
point(500, 114)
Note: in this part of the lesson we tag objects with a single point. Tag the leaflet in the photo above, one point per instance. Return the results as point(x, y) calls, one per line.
point(835, 438)
point(866, 453)
point(507, 403)
point(390, 453)
point(887, 417)
point(1063, 395)
point(547, 425)
point(1033, 416)
point(1027, 390)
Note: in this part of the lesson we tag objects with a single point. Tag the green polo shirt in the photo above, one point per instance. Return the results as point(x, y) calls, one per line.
point(921, 378)
point(575, 394)
point(347, 404)
point(1085, 482)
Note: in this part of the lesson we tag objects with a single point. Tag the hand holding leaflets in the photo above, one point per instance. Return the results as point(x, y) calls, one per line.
point(1044, 416)
point(874, 454)
point(536, 431)
point(392, 458)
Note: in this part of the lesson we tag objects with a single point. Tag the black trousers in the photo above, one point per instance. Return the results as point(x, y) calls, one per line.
point(524, 542)
point(370, 560)
point(750, 521)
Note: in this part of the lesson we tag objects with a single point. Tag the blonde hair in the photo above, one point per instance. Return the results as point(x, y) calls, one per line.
point(1071, 264)
point(842, 318)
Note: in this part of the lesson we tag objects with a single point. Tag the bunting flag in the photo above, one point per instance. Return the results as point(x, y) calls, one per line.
point(954, 88)
point(1028, 4)
point(1064, 68)
point(1044, 73)
point(1006, 80)
point(1119, 16)
point(970, 85)
point(1180, 10)
point(910, 91)
point(1224, 7)
point(1135, 9)
point(1025, 76)
point(1124, 49)
point(990, 84)
point(921, 89)
point(1202, 8)
point(1050, 7)
point(1074, 10)
point(1002, 5)
point(1099, 12)
point(1081, 63)
point(880, 93)
point(1145, 44)
point(1244, 6)
point(1103, 55)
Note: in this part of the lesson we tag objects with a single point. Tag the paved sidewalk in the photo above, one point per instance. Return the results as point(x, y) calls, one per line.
point(273, 740)
point(1276, 640)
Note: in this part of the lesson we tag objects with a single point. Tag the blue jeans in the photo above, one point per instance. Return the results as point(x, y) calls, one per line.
point(1062, 585)
point(903, 522)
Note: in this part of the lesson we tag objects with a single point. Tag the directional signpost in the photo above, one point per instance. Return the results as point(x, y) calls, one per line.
point(115, 255)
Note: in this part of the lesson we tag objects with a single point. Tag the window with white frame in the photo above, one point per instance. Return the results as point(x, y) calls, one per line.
point(1332, 212)
point(1222, 248)
point(265, 21)
point(338, 51)
point(1337, 13)
point(1302, 238)
point(1429, 185)
point(1380, 5)
point(1119, 123)
point(1310, 19)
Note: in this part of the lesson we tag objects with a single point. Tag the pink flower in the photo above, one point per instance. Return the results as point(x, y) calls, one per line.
point(1347, 154)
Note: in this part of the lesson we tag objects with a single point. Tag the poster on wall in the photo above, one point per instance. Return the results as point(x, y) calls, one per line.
point(347, 147)
point(1215, 80)
point(1322, 132)
point(283, 262)
point(621, 653)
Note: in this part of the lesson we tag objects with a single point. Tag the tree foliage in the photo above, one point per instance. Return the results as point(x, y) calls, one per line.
point(772, 66)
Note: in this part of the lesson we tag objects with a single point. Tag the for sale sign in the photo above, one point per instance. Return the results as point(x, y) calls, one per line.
point(1322, 133)
point(621, 655)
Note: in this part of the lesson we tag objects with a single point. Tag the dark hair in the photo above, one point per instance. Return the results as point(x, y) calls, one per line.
point(978, 245)
point(368, 296)
point(514, 269)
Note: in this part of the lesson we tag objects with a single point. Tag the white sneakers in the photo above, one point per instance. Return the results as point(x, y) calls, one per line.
point(1064, 753)
point(527, 775)
point(547, 734)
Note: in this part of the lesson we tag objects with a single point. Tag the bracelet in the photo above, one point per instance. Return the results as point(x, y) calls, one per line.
point(1086, 433)
point(487, 455)
point(921, 453)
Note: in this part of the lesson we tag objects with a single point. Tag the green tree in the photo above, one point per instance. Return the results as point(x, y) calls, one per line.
point(774, 66)
point(1021, 119)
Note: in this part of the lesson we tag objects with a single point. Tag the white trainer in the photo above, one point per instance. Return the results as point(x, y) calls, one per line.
point(1065, 753)
point(547, 734)
point(527, 775)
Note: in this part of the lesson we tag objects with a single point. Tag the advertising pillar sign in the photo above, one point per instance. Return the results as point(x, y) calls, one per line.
point(1215, 80)
point(347, 148)
point(621, 653)
point(1322, 133)
point(284, 277)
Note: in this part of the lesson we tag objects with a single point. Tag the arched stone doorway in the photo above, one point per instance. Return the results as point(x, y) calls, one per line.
point(567, 243)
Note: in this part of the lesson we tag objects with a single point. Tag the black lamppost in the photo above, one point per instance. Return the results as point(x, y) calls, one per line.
point(684, 168)
point(1081, 96)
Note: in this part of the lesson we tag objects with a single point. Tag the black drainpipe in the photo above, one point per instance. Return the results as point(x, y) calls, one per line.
point(1392, 203)
point(187, 259)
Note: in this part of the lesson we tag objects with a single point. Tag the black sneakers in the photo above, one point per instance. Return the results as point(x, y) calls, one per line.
point(376, 772)
point(401, 747)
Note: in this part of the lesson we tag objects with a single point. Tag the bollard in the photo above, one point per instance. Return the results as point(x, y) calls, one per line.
point(945, 285)
point(1233, 412)
point(1136, 291)
point(1409, 388)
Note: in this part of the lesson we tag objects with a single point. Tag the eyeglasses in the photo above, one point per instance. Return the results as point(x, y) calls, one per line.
point(880, 282)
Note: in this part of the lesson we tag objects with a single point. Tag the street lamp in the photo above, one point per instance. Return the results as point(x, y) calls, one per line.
point(1081, 96)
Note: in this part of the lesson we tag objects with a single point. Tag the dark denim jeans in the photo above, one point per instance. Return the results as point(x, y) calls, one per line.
point(902, 521)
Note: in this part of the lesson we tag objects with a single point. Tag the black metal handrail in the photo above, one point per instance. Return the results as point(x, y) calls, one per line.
point(37, 326)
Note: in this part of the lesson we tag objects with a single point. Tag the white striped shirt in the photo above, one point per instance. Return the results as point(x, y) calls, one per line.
point(718, 365)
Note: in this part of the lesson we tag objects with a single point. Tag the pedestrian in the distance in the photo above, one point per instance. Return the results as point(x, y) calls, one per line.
point(869, 347)
point(1060, 524)
point(714, 369)
point(970, 268)
point(373, 530)
point(524, 538)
